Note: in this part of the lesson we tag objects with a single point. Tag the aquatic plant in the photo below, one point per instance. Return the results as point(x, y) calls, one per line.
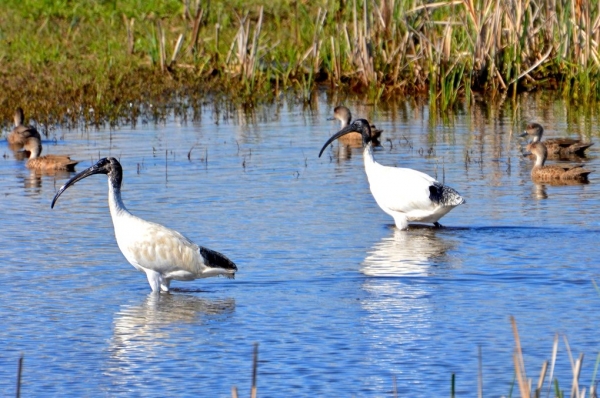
point(65, 59)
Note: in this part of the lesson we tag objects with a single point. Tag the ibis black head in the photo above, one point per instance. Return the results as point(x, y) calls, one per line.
point(360, 126)
point(109, 166)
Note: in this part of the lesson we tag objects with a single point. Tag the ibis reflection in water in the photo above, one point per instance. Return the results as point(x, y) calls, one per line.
point(162, 253)
point(405, 194)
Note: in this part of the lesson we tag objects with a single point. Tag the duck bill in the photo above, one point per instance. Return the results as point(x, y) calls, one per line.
point(85, 173)
point(523, 134)
point(337, 135)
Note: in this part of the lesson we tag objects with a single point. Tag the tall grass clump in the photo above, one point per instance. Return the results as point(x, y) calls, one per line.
point(62, 59)
point(539, 389)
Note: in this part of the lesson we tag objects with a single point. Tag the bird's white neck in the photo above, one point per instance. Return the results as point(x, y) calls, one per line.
point(368, 157)
point(115, 203)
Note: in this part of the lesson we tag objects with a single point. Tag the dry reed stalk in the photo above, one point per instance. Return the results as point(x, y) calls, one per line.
point(317, 41)
point(519, 363)
point(19, 373)
point(161, 40)
point(251, 67)
point(541, 379)
point(337, 67)
point(176, 50)
point(254, 370)
point(479, 373)
point(129, 27)
point(193, 46)
point(186, 10)
point(576, 373)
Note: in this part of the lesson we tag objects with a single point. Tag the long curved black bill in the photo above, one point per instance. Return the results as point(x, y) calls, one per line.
point(85, 173)
point(344, 131)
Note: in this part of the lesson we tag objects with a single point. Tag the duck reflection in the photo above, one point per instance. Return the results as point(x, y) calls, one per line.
point(18, 153)
point(406, 253)
point(33, 178)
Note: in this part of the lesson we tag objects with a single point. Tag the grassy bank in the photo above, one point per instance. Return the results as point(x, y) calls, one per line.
point(60, 59)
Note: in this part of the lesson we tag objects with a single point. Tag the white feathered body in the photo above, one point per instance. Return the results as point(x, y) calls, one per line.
point(405, 194)
point(162, 253)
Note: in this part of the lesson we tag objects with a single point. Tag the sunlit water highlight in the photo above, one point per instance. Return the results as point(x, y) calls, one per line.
point(340, 302)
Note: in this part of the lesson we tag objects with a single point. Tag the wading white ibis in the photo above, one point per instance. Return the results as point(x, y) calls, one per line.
point(20, 133)
point(162, 253)
point(405, 194)
point(556, 147)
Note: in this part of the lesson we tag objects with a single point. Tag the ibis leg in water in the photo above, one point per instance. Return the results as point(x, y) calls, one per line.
point(162, 253)
point(405, 194)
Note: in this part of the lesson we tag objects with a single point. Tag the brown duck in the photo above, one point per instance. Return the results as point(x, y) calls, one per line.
point(47, 162)
point(554, 173)
point(17, 137)
point(556, 147)
point(344, 115)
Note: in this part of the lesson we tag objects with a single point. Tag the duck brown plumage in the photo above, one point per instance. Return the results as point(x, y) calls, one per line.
point(47, 162)
point(20, 133)
point(557, 147)
point(344, 115)
point(554, 173)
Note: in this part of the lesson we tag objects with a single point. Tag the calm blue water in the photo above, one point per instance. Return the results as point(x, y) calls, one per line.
point(340, 302)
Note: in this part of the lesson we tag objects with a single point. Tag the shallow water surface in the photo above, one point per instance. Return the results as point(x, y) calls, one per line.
point(340, 302)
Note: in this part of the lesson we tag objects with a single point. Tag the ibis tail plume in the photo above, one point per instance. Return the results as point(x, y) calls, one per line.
point(405, 194)
point(161, 253)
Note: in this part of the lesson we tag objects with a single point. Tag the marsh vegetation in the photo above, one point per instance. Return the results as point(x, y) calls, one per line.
point(100, 61)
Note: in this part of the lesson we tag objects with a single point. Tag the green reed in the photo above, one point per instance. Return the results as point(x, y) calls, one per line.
point(88, 54)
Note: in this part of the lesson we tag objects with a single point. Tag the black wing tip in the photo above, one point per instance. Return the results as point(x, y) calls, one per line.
point(215, 259)
point(444, 195)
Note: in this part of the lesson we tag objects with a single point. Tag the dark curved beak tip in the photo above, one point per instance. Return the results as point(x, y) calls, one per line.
point(523, 134)
point(331, 118)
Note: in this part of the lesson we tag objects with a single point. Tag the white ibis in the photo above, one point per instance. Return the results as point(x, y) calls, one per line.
point(556, 147)
point(162, 253)
point(553, 173)
point(344, 115)
point(17, 137)
point(405, 194)
point(47, 162)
